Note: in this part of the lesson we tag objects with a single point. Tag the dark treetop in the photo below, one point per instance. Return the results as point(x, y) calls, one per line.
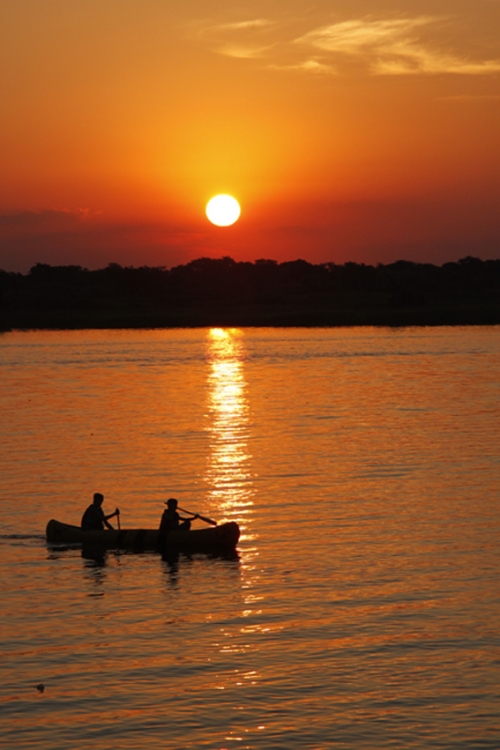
point(223, 292)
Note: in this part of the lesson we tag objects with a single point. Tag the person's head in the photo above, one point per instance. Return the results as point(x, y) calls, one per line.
point(98, 498)
point(172, 503)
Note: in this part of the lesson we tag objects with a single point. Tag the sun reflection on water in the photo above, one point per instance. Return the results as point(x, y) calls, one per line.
point(228, 474)
point(230, 481)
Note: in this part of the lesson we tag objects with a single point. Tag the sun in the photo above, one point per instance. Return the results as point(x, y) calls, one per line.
point(223, 210)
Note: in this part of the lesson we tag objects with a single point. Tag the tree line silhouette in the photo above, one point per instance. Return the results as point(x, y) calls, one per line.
point(223, 292)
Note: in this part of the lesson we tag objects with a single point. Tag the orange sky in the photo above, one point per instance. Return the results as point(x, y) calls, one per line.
point(363, 130)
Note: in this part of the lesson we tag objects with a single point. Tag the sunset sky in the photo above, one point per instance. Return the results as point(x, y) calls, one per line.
point(348, 130)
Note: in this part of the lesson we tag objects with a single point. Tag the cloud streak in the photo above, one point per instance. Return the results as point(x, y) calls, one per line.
point(243, 39)
point(51, 219)
point(379, 47)
point(392, 47)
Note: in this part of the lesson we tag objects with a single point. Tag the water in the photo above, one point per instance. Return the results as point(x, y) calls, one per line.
point(362, 610)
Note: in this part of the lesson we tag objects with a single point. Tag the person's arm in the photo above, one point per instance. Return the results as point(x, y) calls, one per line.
point(191, 518)
point(111, 515)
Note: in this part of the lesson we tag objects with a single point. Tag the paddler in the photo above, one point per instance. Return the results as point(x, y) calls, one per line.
point(94, 519)
point(171, 520)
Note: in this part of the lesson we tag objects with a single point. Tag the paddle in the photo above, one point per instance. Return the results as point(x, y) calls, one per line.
point(202, 518)
point(118, 519)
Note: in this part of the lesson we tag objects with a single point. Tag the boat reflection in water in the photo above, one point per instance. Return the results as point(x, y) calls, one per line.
point(94, 556)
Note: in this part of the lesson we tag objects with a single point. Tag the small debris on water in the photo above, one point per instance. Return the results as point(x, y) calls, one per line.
point(40, 687)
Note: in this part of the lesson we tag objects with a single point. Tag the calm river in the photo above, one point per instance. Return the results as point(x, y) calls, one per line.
point(362, 611)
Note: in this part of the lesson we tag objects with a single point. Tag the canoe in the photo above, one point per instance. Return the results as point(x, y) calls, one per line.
point(213, 540)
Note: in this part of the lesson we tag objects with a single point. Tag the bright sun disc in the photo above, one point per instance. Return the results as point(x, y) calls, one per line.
point(223, 210)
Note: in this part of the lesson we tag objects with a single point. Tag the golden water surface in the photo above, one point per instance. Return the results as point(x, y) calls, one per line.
point(362, 609)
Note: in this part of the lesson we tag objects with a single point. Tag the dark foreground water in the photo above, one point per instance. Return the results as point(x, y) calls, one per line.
point(362, 610)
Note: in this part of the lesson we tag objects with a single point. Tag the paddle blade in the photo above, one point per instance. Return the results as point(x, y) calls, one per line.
point(202, 518)
point(207, 520)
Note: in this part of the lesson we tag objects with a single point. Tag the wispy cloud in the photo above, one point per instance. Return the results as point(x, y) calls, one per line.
point(47, 219)
point(359, 36)
point(392, 47)
point(384, 46)
point(242, 39)
point(308, 66)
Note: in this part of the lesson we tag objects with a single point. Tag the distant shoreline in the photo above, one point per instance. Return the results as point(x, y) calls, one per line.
point(225, 293)
point(347, 319)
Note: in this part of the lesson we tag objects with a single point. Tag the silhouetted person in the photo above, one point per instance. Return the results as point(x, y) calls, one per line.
point(171, 520)
point(94, 519)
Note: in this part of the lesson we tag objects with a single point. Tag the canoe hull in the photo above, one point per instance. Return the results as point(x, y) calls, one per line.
point(223, 538)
